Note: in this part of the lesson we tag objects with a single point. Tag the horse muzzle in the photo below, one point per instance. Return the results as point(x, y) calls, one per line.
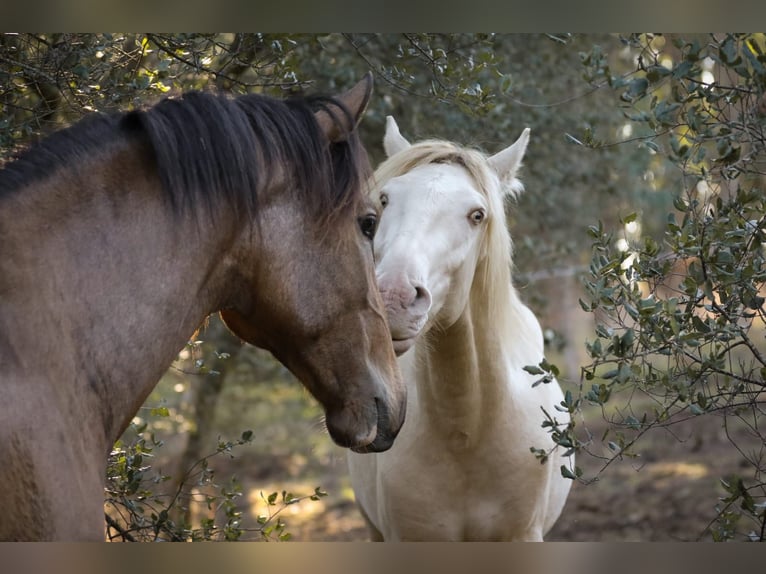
point(380, 436)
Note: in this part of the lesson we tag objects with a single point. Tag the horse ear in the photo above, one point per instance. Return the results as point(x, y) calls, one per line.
point(393, 141)
point(507, 162)
point(355, 100)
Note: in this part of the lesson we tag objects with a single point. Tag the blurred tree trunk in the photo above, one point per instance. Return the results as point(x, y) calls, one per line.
point(222, 349)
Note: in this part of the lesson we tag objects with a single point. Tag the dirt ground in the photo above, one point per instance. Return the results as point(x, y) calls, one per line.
point(669, 494)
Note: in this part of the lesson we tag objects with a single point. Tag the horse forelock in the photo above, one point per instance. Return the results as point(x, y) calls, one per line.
point(494, 271)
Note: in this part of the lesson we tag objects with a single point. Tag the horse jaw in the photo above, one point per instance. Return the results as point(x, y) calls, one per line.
point(393, 141)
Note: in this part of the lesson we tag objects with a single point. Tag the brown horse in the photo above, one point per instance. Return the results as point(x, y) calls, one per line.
point(122, 233)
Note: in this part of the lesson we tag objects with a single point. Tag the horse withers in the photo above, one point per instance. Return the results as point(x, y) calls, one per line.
point(121, 234)
point(461, 468)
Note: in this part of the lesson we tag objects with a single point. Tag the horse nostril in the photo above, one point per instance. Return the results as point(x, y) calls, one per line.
point(422, 300)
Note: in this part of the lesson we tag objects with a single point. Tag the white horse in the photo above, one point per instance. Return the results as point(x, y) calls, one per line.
point(461, 468)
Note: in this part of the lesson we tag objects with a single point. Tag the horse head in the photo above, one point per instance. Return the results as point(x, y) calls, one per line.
point(310, 296)
point(440, 203)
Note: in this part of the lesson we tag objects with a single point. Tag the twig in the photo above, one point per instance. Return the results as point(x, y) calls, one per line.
point(112, 523)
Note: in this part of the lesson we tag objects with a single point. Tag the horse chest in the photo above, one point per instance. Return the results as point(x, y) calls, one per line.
point(452, 486)
point(450, 500)
point(460, 466)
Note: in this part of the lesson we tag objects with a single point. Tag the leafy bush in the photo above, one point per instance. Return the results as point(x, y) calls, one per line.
point(136, 511)
point(680, 316)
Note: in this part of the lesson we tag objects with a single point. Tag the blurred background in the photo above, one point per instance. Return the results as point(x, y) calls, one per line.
point(645, 163)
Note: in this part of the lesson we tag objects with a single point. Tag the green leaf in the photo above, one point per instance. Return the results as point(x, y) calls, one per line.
point(652, 145)
point(637, 88)
point(630, 218)
point(728, 51)
point(566, 473)
point(626, 341)
point(731, 155)
point(318, 493)
point(506, 83)
point(633, 422)
point(700, 325)
point(533, 370)
point(683, 69)
point(655, 73)
point(666, 113)
point(650, 246)
point(549, 367)
point(680, 204)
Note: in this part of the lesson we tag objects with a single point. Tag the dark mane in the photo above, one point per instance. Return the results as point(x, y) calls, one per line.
point(217, 150)
point(61, 148)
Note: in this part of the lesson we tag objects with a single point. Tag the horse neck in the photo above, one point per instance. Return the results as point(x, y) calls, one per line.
point(464, 372)
point(101, 293)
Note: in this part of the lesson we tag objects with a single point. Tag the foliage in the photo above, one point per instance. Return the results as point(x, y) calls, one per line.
point(680, 317)
point(138, 509)
point(52, 78)
point(136, 513)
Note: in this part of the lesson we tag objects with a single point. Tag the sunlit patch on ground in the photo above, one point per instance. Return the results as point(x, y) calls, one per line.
point(334, 515)
point(688, 470)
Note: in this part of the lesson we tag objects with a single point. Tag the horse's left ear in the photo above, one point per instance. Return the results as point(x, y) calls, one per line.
point(507, 162)
point(355, 101)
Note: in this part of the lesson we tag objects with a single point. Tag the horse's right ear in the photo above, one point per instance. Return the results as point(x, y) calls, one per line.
point(355, 100)
point(393, 141)
point(507, 162)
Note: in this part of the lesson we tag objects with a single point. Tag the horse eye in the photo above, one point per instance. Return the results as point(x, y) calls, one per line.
point(368, 224)
point(383, 199)
point(476, 216)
